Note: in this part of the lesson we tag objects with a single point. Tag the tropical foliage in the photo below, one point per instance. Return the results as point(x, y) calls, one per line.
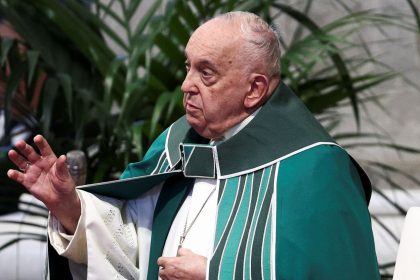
point(104, 77)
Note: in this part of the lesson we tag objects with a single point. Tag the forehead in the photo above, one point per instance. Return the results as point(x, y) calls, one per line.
point(216, 39)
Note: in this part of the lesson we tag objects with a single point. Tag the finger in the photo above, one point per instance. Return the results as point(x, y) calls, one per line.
point(162, 261)
point(162, 274)
point(61, 168)
point(18, 160)
point(15, 175)
point(27, 151)
point(43, 146)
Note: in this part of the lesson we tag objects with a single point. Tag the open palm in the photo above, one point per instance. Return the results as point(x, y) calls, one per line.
point(47, 178)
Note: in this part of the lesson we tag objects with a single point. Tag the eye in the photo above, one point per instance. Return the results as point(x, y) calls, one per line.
point(187, 66)
point(206, 73)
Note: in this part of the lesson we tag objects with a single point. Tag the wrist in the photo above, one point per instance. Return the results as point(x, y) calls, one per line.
point(67, 211)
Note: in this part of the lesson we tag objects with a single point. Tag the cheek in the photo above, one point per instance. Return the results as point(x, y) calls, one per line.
point(209, 105)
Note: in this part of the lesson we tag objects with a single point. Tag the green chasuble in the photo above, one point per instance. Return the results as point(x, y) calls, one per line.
point(292, 204)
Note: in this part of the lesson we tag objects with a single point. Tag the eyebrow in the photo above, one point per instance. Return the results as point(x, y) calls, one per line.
point(205, 63)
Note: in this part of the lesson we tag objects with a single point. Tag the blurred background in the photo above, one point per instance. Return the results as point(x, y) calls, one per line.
point(104, 76)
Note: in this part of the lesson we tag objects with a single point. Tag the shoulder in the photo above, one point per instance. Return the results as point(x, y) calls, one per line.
point(323, 172)
point(154, 159)
point(319, 159)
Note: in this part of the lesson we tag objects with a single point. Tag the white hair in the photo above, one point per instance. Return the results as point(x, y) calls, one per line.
point(262, 38)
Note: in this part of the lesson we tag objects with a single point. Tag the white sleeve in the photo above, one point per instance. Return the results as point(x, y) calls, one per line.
point(72, 247)
point(105, 238)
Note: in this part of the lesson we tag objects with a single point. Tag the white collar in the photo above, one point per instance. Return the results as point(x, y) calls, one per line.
point(235, 129)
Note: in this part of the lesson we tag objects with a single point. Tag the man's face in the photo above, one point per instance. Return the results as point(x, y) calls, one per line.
point(217, 81)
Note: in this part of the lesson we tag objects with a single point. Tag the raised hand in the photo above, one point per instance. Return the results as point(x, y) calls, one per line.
point(186, 265)
point(47, 178)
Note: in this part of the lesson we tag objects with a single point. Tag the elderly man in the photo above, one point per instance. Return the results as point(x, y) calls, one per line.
point(246, 185)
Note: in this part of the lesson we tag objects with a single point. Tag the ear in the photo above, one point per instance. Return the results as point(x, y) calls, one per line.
point(257, 91)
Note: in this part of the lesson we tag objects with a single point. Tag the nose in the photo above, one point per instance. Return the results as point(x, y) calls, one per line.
point(189, 85)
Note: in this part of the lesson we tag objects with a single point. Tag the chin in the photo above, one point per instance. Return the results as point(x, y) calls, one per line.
point(194, 123)
point(200, 127)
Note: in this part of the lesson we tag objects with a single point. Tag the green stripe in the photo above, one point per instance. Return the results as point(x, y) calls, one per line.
point(230, 193)
point(262, 192)
point(227, 263)
point(164, 166)
point(225, 227)
point(222, 186)
point(266, 256)
point(173, 193)
point(259, 235)
point(256, 184)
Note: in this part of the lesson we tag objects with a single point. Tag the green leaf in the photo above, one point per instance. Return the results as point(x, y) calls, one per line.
point(178, 31)
point(395, 170)
point(357, 135)
point(250, 5)
point(6, 45)
point(66, 85)
point(33, 57)
point(16, 78)
point(145, 20)
point(198, 6)
point(162, 102)
point(87, 40)
point(396, 147)
point(187, 14)
point(334, 55)
point(297, 34)
point(81, 10)
point(175, 99)
point(170, 49)
point(386, 228)
point(110, 81)
point(416, 13)
point(137, 141)
point(107, 9)
point(49, 95)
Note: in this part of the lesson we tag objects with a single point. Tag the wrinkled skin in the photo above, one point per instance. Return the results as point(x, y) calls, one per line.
point(47, 178)
point(185, 266)
point(220, 89)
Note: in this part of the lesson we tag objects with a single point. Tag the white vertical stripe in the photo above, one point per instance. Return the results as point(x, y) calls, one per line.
point(213, 235)
point(274, 224)
point(166, 146)
point(158, 165)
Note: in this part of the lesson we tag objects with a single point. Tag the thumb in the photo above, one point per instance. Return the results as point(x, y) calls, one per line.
point(62, 171)
point(184, 252)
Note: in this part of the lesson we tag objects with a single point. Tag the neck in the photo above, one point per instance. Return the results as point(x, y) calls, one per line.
point(236, 128)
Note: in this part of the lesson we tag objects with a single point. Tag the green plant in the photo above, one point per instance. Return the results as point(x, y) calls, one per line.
point(112, 102)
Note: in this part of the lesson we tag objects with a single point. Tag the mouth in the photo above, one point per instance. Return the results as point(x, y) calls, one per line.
point(191, 107)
